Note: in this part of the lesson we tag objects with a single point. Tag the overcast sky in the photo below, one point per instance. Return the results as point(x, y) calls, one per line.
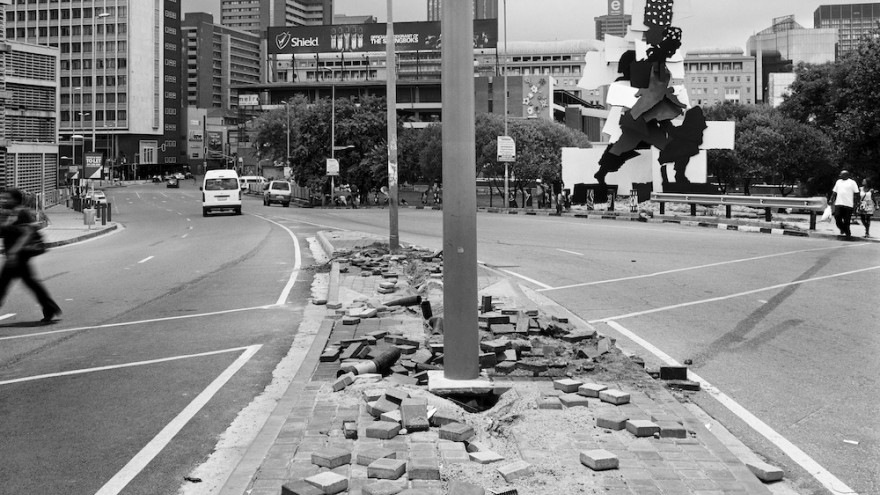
point(713, 23)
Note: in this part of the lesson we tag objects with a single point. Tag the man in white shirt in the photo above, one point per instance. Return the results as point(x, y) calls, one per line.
point(844, 197)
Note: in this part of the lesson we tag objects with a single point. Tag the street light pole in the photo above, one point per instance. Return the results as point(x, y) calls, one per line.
point(287, 104)
point(332, 133)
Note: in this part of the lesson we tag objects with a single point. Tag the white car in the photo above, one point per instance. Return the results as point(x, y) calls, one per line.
point(98, 197)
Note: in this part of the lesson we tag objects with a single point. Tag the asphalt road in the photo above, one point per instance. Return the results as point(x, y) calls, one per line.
point(171, 327)
point(783, 327)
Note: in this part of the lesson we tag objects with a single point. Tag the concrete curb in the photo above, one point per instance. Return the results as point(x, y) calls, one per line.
point(83, 237)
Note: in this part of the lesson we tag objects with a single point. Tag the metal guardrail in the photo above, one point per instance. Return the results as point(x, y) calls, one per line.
point(814, 204)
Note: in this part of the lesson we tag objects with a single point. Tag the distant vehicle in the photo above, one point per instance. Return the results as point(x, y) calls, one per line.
point(221, 191)
point(179, 176)
point(247, 180)
point(188, 175)
point(277, 191)
point(173, 182)
point(98, 197)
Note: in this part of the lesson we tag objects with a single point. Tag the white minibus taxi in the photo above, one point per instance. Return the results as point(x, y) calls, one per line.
point(221, 191)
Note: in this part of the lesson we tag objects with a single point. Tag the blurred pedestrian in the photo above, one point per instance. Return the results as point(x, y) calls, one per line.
point(844, 198)
point(21, 242)
point(438, 193)
point(867, 205)
point(557, 193)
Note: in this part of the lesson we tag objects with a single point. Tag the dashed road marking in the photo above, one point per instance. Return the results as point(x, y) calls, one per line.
point(148, 258)
point(570, 252)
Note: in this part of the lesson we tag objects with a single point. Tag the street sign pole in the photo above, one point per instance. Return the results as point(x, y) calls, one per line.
point(391, 103)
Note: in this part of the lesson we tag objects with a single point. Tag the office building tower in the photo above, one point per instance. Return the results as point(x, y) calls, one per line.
point(120, 80)
point(716, 75)
point(483, 9)
point(785, 44)
point(614, 23)
point(217, 59)
point(255, 16)
point(852, 22)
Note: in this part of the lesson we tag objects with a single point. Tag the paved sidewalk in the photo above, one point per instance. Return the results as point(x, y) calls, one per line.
point(310, 420)
point(66, 226)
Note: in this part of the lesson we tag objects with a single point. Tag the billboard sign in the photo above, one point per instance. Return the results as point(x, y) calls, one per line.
point(94, 163)
point(615, 7)
point(408, 36)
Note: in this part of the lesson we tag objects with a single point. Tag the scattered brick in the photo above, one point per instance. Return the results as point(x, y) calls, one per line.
point(368, 456)
point(642, 427)
point(671, 429)
point(386, 469)
point(343, 381)
point(462, 488)
point(611, 420)
point(494, 318)
point(406, 349)
point(352, 350)
point(423, 469)
point(614, 396)
point(567, 385)
point(299, 487)
point(604, 346)
point(549, 403)
point(412, 409)
point(574, 400)
point(402, 379)
point(454, 457)
point(683, 385)
point(510, 355)
point(516, 470)
point(441, 418)
point(330, 354)
point(383, 405)
point(502, 328)
point(391, 416)
point(488, 359)
point(765, 472)
point(534, 365)
point(383, 487)
point(331, 457)
point(396, 339)
point(349, 430)
point(476, 447)
point(456, 432)
point(673, 373)
point(373, 394)
point(377, 334)
point(334, 304)
point(383, 430)
point(591, 389)
point(329, 482)
point(485, 457)
point(578, 335)
point(599, 460)
point(505, 367)
point(506, 490)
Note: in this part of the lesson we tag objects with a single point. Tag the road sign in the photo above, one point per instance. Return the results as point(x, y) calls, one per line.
point(332, 166)
point(506, 149)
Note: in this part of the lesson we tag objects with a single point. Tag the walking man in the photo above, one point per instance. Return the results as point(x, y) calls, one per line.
point(844, 198)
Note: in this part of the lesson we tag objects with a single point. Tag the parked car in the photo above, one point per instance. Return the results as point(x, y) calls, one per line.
point(277, 192)
point(98, 197)
point(173, 182)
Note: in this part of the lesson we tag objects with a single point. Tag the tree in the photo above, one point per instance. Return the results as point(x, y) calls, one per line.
point(843, 100)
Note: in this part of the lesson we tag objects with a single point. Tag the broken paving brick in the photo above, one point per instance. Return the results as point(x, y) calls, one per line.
point(567, 385)
point(673, 373)
point(599, 460)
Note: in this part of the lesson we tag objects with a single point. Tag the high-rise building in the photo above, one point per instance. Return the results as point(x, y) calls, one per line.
point(483, 9)
point(715, 75)
point(255, 16)
point(217, 58)
point(120, 80)
point(614, 23)
point(852, 21)
point(785, 44)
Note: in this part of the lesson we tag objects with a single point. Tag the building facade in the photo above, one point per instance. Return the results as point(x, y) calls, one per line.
point(120, 81)
point(29, 157)
point(852, 21)
point(785, 44)
point(255, 16)
point(720, 74)
point(217, 59)
point(483, 9)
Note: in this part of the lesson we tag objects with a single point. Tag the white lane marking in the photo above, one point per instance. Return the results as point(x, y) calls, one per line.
point(139, 322)
point(7, 315)
point(184, 236)
point(319, 225)
point(138, 194)
point(297, 263)
point(570, 252)
point(731, 296)
point(698, 267)
point(116, 366)
point(158, 443)
point(828, 480)
point(527, 279)
point(148, 258)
